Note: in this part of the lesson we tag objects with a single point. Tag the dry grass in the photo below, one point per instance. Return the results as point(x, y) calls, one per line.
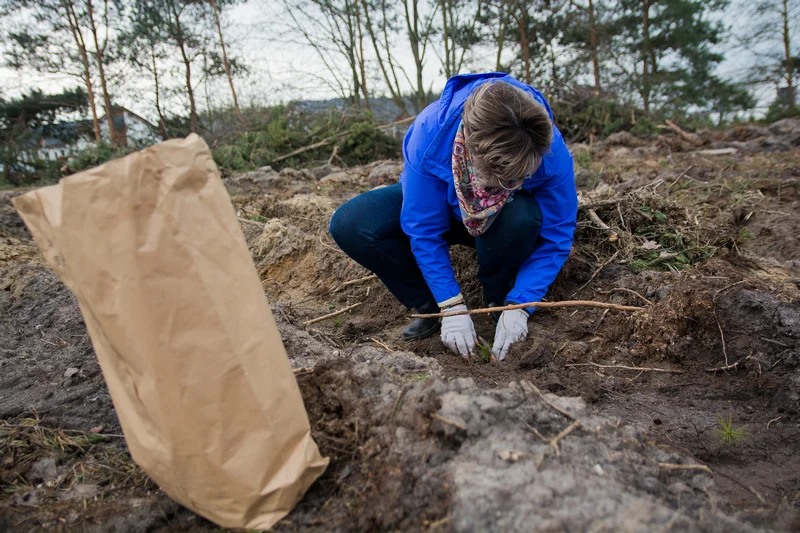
point(96, 458)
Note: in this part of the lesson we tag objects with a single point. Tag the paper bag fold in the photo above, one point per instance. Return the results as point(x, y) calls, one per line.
point(196, 368)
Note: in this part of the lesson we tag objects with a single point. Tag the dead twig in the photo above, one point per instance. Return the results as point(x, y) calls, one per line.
point(449, 422)
point(682, 174)
point(681, 132)
point(596, 272)
point(748, 488)
point(251, 222)
point(623, 367)
point(536, 432)
point(599, 203)
point(328, 245)
point(719, 326)
point(629, 291)
point(355, 282)
point(773, 420)
point(597, 221)
point(671, 466)
point(399, 401)
point(543, 305)
point(439, 523)
point(566, 431)
point(727, 367)
point(333, 154)
point(721, 336)
point(717, 151)
point(557, 409)
point(303, 371)
point(663, 257)
point(331, 315)
point(382, 345)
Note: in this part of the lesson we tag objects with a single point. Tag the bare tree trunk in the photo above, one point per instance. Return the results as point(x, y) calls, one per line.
point(593, 45)
point(412, 24)
point(162, 125)
point(179, 37)
point(361, 59)
point(394, 88)
point(446, 39)
point(523, 39)
point(787, 48)
point(99, 55)
point(646, 55)
point(77, 35)
point(227, 63)
point(350, 48)
point(501, 37)
point(471, 36)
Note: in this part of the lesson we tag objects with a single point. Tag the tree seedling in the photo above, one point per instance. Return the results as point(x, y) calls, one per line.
point(727, 433)
point(483, 351)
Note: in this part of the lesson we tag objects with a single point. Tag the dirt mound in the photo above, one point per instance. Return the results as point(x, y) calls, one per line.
point(454, 454)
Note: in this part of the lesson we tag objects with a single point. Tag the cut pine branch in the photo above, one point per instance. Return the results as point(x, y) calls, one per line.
point(543, 305)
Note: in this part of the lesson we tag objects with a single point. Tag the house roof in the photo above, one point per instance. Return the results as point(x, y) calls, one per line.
point(118, 108)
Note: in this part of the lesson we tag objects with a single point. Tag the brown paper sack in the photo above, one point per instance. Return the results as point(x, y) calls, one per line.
point(205, 395)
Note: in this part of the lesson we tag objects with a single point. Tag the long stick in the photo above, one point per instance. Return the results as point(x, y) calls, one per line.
point(331, 315)
point(671, 466)
point(623, 367)
point(566, 303)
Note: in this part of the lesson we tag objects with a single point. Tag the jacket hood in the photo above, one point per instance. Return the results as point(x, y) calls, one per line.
point(457, 90)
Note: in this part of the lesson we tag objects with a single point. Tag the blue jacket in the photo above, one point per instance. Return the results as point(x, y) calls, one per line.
point(430, 201)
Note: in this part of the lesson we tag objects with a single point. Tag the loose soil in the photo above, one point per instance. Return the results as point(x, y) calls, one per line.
point(420, 439)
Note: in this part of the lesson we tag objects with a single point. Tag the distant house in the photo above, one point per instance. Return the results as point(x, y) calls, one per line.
point(63, 139)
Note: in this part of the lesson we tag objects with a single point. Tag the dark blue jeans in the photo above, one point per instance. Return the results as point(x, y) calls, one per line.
point(367, 228)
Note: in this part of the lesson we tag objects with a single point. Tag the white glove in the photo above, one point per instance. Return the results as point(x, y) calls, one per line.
point(458, 332)
point(512, 327)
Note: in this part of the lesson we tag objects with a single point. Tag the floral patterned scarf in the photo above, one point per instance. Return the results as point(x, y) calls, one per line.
point(479, 206)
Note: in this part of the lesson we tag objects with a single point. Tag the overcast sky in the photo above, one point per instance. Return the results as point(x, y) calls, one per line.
point(283, 68)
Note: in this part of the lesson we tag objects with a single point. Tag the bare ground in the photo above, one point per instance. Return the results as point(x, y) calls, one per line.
point(420, 439)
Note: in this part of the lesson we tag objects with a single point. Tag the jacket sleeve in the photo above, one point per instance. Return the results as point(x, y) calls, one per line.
point(425, 218)
point(558, 201)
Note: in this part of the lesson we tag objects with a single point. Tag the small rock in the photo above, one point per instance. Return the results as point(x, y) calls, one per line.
point(624, 138)
point(510, 456)
point(292, 174)
point(96, 429)
point(385, 174)
point(44, 470)
point(701, 482)
point(599, 470)
point(343, 176)
point(786, 126)
point(71, 372)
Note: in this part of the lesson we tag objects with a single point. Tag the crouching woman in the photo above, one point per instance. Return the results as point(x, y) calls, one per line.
point(486, 167)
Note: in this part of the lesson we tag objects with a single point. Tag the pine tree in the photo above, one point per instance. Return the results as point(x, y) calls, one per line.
point(64, 37)
point(771, 36)
point(667, 52)
point(23, 118)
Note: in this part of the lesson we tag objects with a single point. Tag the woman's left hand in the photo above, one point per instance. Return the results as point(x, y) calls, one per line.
point(512, 327)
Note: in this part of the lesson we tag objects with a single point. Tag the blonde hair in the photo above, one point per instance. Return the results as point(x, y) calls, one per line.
point(507, 133)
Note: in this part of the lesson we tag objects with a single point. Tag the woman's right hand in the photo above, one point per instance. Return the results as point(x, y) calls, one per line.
point(458, 332)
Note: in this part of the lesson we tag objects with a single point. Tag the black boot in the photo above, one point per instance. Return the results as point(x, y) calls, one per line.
point(422, 328)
